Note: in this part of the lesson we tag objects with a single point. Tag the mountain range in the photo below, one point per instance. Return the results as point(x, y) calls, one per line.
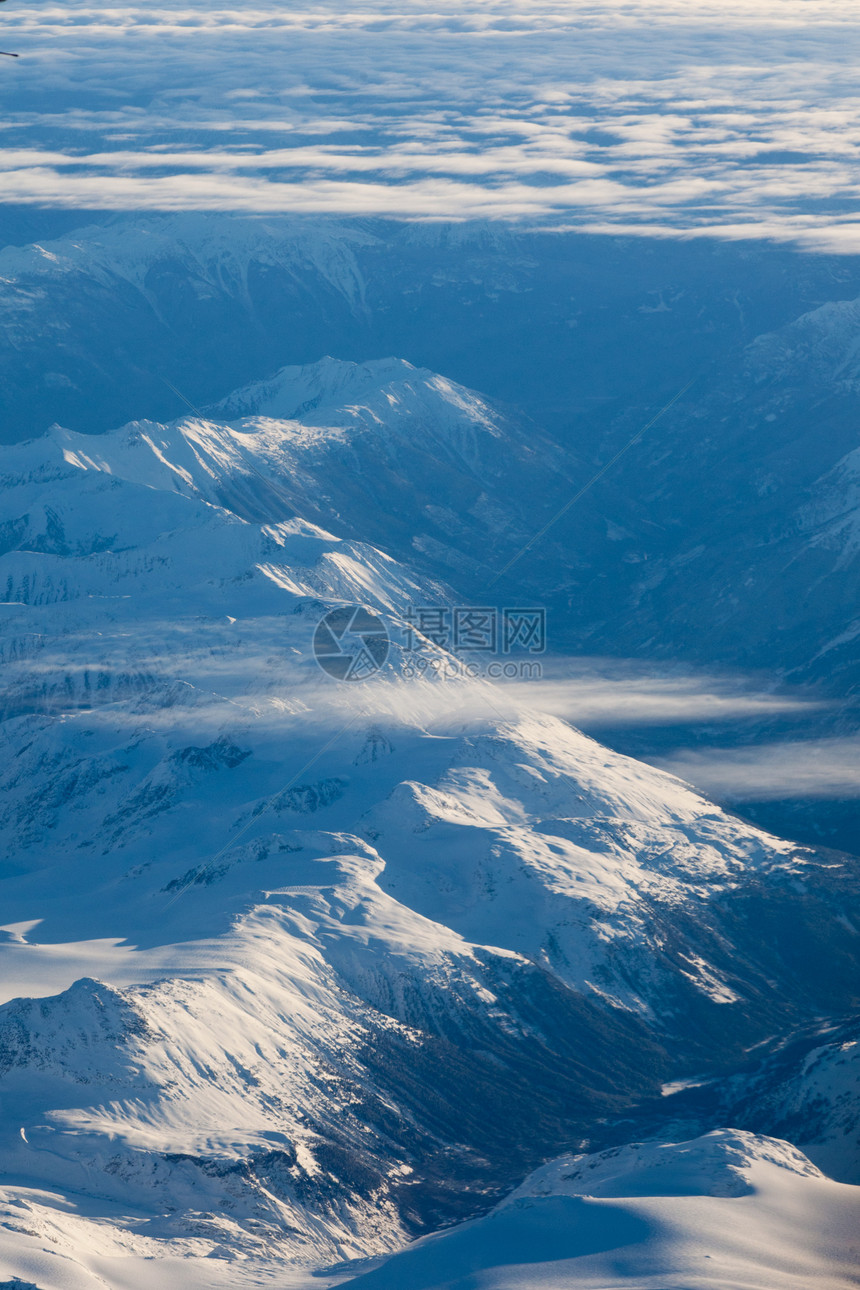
point(299, 970)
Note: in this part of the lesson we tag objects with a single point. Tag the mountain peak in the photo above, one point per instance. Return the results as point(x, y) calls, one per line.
point(330, 383)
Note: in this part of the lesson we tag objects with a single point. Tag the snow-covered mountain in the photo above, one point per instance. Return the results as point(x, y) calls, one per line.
point(728, 1209)
point(380, 451)
point(297, 969)
point(817, 353)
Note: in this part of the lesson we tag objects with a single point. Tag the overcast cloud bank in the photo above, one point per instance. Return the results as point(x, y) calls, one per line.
point(737, 119)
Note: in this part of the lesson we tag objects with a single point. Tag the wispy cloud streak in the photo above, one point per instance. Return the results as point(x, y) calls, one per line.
point(780, 771)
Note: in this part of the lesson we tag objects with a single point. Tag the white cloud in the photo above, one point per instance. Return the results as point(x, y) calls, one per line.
point(825, 768)
point(739, 118)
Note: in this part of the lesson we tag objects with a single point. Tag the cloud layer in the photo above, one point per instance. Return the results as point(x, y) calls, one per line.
point(735, 119)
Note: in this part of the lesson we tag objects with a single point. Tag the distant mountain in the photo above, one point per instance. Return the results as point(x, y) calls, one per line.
point(736, 540)
point(572, 328)
point(92, 323)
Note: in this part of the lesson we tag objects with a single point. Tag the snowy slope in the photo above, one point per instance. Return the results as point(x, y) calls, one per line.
point(818, 349)
point(729, 1210)
point(273, 945)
